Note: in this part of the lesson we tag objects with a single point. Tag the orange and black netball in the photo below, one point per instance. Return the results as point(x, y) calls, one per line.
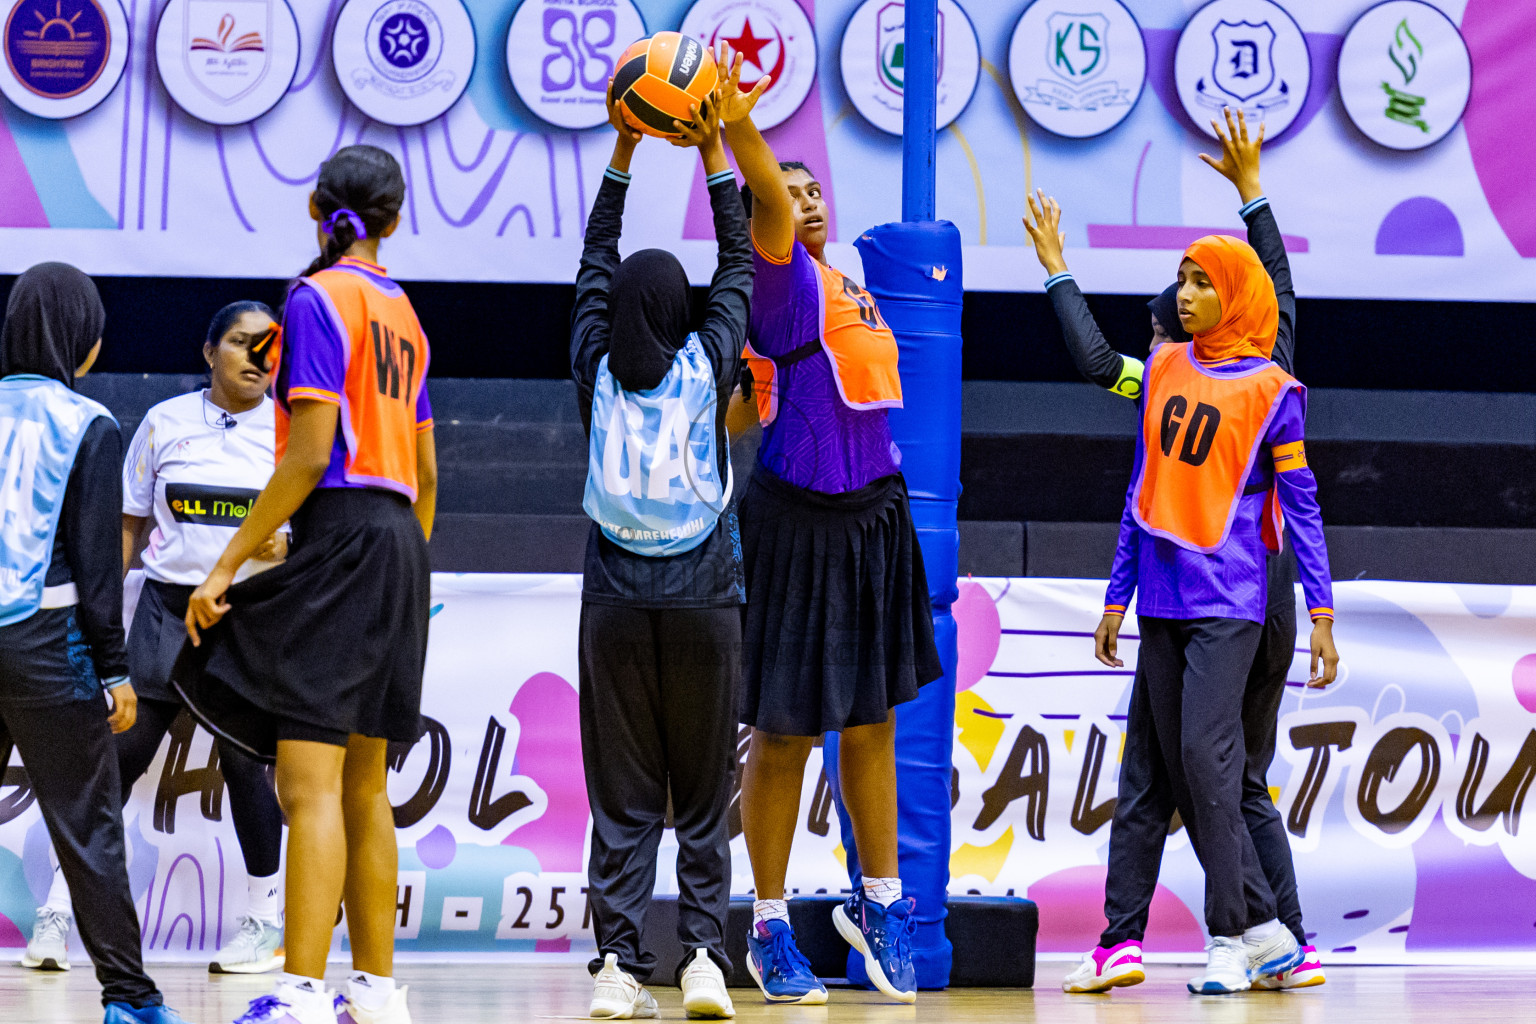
point(660, 78)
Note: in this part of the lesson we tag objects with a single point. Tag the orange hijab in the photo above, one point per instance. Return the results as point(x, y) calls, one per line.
point(1250, 316)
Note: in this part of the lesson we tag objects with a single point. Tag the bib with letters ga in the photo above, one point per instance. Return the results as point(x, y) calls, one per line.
point(1203, 432)
point(854, 336)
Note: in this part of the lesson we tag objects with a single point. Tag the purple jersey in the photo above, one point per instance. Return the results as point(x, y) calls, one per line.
point(816, 441)
point(1172, 582)
point(314, 360)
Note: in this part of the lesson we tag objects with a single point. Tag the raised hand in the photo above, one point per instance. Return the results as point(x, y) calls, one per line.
point(1044, 226)
point(627, 132)
point(702, 131)
point(733, 104)
point(1239, 162)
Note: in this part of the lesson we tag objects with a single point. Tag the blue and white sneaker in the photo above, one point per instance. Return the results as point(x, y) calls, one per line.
point(122, 1013)
point(289, 1005)
point(884, 936)
point(778, 966)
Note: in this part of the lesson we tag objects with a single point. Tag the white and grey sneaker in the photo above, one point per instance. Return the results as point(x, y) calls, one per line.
point(48, 949)
point(256, 949)
point(616, 995)
point(1226, 968)
point(1271, 957)
point(704, 995)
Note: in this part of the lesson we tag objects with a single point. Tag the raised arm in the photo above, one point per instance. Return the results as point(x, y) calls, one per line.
point(773, 214)
point(600, 257)
point(1085, 342)
point(1239, 164)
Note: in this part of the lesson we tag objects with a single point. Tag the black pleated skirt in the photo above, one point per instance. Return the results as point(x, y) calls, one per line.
point(334, 639)
point(838, 621)
point(156, 637)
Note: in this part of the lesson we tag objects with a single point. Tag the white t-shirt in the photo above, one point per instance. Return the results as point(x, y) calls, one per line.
point(198, 479)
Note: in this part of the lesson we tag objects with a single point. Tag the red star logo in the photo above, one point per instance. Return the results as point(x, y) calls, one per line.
point(749, 46)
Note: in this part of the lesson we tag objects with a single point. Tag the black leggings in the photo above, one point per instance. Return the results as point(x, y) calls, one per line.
point(252, 801)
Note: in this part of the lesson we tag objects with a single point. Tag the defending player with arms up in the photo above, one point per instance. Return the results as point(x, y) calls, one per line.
point(1145, 802)
point(839, 628)
point(322, 657)
point(196, 463)
point(661, 595)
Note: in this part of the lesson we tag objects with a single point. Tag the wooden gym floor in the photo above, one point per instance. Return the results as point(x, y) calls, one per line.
point(483, 994)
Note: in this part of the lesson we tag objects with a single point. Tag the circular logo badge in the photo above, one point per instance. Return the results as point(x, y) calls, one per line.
point(404, 62)
point(874, 62)
point(1077, 72)
point(561, 56)
point(227, 61)
point(1405, 75)
point(1244, 54)
point(63, 57)
point(774, 38)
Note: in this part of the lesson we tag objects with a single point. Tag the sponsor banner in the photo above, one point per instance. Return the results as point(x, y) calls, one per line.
point(63, 57)
point(208, 505)
point(1405, 75)
point(227, 61)
point(874, 62)
point(404, 62)
point(561, 56)
point(1077, 67)
point(1401, 787)
point(1244, 54)
point(775, 39)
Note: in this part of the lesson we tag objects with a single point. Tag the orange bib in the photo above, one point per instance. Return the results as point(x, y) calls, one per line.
point(1202, 433)
point(854, 336)
point(387, 358)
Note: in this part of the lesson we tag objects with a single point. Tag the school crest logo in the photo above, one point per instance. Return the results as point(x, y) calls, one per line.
point(874, 62)
point(1077, 72)
point(1405, 75)
point(1243, 54)
point(227, 61)
point(774, 38)
point(62, 57)
point(404, 62)
point(560, 57)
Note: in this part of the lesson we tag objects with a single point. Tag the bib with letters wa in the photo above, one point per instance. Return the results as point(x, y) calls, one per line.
point(1202, 432)
point(42, 423)
point(653, 477)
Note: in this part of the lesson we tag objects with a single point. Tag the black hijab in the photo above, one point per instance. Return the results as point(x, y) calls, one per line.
point(1166, 308)
point(53, 319)
point(649, 308)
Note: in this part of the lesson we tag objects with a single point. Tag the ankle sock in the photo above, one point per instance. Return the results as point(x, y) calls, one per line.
point(369, 991)
point(263, 898)
point(58, 895)
point(1262, 932)
point(883, 891)
point(770, 910)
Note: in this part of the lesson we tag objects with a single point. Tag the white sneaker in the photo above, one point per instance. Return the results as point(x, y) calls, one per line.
point(1226, 968)
point(1272, 957)
point(48, 949)
point(394, 1011)
point(704, 994)
point(256, 949)
point(289, 1005)
point(616, 995)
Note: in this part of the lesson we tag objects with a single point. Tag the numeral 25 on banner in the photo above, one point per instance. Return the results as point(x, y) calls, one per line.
point(548, 906)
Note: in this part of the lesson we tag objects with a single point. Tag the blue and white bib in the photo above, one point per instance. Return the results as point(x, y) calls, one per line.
point(42, 423)
point(653, 479)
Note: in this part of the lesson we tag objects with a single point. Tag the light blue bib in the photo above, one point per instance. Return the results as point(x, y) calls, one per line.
point(653, 482)
point(42, 423)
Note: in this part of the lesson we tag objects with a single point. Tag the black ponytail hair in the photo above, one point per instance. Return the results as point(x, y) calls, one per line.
point(230, 315)
point(365, 180)
point(784, 165)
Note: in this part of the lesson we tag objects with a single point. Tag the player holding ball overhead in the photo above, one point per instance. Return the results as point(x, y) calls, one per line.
point(839, 628)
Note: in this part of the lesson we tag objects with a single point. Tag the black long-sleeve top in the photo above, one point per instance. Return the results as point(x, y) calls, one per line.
point(710, 575)
point(88, 552)
point(1100, 363)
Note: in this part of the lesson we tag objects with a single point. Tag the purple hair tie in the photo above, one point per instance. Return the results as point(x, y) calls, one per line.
point(357, 223)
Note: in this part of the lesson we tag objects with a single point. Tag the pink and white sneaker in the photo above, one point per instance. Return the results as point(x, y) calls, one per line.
point(1309, 974)
point(1103, 969)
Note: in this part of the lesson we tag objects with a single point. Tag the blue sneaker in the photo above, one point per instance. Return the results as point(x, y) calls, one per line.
point(884, 936)
point(779, 968)
point(122, 1013)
